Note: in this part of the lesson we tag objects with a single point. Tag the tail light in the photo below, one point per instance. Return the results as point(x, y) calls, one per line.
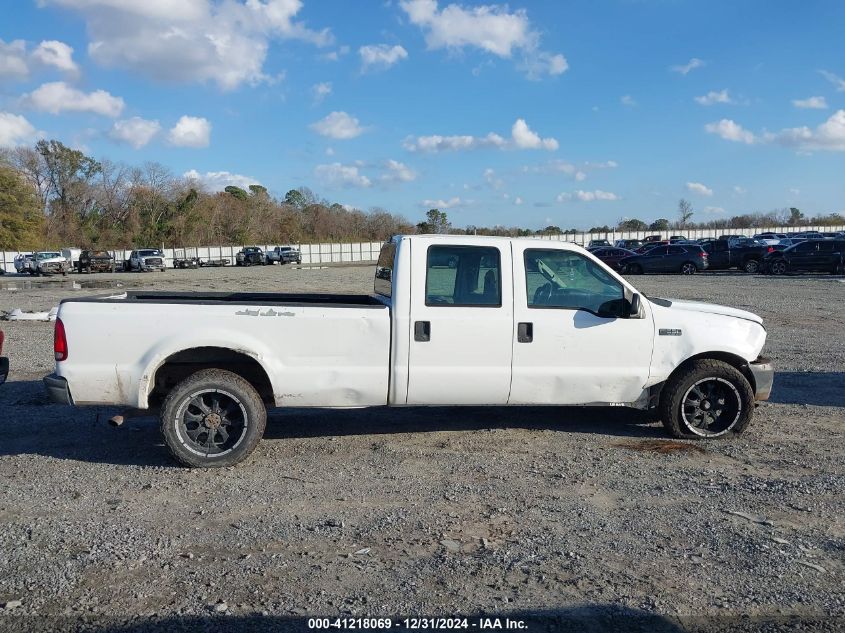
point(771, 249)
point(702, 255)
point(60, 341)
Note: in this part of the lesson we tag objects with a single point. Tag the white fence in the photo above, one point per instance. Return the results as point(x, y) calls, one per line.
point(367, 252)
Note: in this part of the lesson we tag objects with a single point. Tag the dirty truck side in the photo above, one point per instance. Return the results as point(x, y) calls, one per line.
point(453, 320)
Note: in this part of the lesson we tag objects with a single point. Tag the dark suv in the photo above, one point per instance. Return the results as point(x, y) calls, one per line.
point(687, 259)
point(813, 256)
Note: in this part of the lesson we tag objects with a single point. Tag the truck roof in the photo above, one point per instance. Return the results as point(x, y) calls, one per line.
point(469, 239)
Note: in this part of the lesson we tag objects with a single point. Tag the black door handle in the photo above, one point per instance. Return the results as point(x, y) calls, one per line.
point(525, 332)
point(422, 331)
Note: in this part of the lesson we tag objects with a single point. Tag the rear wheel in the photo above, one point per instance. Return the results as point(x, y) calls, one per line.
point(752, 266)
point(705, 400)
point(213, 418)
point(688, 268)
point(634, 269)
point(778, 267)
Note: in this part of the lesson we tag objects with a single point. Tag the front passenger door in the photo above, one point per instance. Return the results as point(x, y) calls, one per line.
point(573, 343)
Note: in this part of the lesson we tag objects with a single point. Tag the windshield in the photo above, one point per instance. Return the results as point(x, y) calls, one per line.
point(48, 255)
point(149, 253)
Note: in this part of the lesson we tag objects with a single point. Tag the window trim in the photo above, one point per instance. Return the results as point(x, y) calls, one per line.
point(542, 307)
point(463, 305)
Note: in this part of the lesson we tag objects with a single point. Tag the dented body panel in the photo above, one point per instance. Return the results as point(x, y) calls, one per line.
point(405, 346)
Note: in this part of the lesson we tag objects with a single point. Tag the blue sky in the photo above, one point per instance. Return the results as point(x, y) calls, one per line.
point(532, 113)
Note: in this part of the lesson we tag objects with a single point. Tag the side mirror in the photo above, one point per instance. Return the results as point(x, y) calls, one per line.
point(634, 307)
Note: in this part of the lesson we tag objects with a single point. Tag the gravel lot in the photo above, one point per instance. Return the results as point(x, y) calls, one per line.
point(556, 511)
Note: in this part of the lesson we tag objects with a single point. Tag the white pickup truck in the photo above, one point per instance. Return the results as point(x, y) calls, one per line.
point(453, 320)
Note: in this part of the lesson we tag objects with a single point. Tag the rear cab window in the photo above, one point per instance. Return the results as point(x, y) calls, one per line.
point(468, 276)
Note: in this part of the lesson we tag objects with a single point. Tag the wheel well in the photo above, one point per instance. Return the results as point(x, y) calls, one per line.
point(733, 360)
point(182, 364)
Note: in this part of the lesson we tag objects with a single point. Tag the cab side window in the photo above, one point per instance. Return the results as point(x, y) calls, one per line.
point(469, 276)
point(567, 280)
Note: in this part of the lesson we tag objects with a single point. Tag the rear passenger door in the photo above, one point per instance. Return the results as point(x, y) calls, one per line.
point(461, 324)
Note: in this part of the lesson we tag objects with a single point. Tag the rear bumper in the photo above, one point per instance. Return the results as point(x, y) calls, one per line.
point(764, 375)
point(57, 389)
point(4, 369)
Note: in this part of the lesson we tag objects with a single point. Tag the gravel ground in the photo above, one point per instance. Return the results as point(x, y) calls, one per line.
point(562, 512)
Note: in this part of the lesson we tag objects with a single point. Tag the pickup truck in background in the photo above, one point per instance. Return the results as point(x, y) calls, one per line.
point(512, 322)
point(284, 255)
point(250, 255)
point(91, 261)
point(744, 254)
point(145, 260)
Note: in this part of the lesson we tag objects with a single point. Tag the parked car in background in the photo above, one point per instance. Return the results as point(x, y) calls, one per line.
point(809, 256)
point(653, 238)
point(91, 261)
point(612, 256)
point(786, 242)
point(49, 263)
point(597, 243)
point(833, 235)
point(186, 258)
point(687, 259)
point(284, 255)
point(71, 254)
point(628, 244)
point(647, 246)
point(744, 254)
point(23, 263)
point(677, 238)
point(145, 260)
point(4, 362)
point(770, 237)
point(808, 235)
point(249, 256)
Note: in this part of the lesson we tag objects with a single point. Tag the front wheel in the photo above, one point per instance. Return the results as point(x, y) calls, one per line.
point(706, 400)
point(634, 269)
point(689, 269)
point(211, 419)
point(752, 266)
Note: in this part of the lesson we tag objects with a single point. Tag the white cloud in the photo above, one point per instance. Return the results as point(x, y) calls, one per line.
point(628, 100)
point(136, 131)
point(56, 54)
point(684, 69)
point(830, 135)
point(558, 166)
point(333, 56)
point(13, 61)
point(15, 130)
point(587, 196)
point(190, 40)
point(795, 192)
point(811, 103)
point(491, 28)
point(338, 175)
point(219, 180)
point(56, 97)
point(713, 210)
point(381, 56)
point(739, 190)
point(321, 91)
point(397, 172)
point(522, 137)
point(451, 203)
point(731, 131)
point(518, 201)
point(338, 125)
point(525, 138)
point(713, 96)
point(190, 131)
point(491, 179)
point(836, 80)
point(700, 189)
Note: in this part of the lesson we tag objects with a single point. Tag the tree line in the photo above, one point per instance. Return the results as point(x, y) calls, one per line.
point(52, 196)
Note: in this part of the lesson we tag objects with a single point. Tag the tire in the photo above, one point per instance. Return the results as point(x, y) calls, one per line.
point(247, 262)
point(634, 269)
point(751, 266)
point(693, 392)
point(185, 425)
point(778, 267)
point(688, 268)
